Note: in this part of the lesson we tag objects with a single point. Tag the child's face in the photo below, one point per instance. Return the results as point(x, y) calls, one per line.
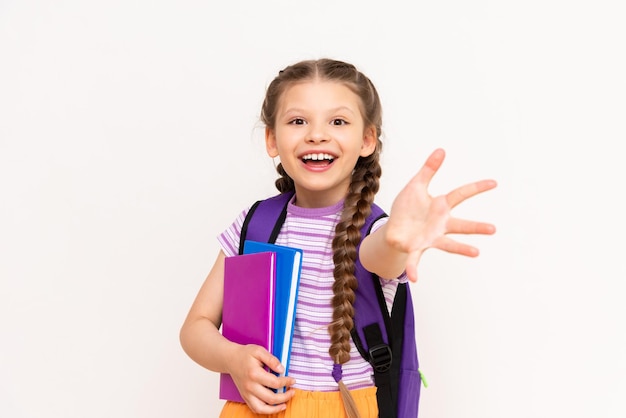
point(319, 136)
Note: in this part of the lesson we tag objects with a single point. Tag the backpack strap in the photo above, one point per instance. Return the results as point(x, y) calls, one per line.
point(373, 332)
point(269, 216)
point(387, 340)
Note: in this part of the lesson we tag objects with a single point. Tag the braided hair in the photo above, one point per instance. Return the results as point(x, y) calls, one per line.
point(357, 205)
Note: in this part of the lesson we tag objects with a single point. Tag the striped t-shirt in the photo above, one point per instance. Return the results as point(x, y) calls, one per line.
point(312, 230)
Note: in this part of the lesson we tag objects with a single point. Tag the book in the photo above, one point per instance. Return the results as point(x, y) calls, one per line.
point(288, 269)
point(248, 309)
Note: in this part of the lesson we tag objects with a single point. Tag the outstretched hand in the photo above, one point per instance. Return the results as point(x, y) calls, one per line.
point(419, 221)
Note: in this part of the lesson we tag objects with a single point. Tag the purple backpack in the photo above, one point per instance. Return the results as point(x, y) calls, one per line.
point(386, 341)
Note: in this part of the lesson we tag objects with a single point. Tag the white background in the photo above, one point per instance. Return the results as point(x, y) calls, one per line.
point(129, 139)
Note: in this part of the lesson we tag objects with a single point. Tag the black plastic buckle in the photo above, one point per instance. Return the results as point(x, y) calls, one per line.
point(381, 357)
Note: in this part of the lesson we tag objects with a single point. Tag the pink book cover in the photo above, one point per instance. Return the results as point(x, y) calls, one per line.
point(248, 311)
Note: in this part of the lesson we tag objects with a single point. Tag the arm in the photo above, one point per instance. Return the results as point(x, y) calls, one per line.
point(202, 341)
point(418, 221)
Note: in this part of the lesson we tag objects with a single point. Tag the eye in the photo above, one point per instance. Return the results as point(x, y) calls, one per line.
point(338, 122)
point(297, 121)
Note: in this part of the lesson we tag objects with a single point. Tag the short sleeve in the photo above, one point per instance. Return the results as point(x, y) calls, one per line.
point(229, 239)
point(380, 222)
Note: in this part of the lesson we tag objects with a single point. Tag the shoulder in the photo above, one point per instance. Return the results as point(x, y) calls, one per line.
point(229, 238)
point(377, 210)
point(279, 200)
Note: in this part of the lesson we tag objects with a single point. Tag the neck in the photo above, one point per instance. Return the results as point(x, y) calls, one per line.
point(314, 199)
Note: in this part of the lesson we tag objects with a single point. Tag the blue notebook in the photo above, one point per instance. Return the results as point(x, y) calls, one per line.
point(288, 268)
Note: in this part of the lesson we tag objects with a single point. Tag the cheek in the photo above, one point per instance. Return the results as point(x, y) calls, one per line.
point(286, 144)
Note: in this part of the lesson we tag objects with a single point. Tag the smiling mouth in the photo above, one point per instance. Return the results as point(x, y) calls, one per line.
point(321, 159)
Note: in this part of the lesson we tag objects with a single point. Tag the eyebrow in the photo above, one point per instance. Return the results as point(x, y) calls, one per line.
point(334, 110)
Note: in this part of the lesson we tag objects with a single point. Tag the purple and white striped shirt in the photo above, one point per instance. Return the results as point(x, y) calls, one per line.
point(312, 230)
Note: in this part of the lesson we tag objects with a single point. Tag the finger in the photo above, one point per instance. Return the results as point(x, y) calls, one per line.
point(463, 226)
point(258, 406)
point(282, 382)
point(273, 381)
point(462, 193)
point(269, 379)
point(430, 167)
point(270, 361)
point(411, 265)
point(259, 393)
point(434, 160)
point(269, 397)
point(451, 246)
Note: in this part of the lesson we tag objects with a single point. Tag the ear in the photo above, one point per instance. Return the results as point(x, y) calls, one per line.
point(370, 139)
point(270, 143)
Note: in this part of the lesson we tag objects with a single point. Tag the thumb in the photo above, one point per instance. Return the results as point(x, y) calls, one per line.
point(411, 265)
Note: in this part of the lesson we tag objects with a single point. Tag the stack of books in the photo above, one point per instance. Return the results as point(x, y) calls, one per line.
point(260, 294)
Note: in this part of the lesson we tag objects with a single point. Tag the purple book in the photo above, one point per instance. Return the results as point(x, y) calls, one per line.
point(248, 311)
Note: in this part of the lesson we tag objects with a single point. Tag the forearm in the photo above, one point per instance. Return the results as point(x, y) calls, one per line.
point(378, 255)
point(199, 335)
point(205, 345)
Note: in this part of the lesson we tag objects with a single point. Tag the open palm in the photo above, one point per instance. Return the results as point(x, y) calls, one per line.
point(419, 221)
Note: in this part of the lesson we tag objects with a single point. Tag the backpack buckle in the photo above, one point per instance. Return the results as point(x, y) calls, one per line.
point(380, 357)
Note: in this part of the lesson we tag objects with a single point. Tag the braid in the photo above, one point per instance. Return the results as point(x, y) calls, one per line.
point(357, 207)
point(284, 183)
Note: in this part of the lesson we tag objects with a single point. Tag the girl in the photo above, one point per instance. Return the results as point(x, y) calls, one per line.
point(323, 120)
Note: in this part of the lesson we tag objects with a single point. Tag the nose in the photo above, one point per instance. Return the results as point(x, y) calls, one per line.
point(317, 134)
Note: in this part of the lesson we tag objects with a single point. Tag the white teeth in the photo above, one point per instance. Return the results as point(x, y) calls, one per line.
point(318, 157)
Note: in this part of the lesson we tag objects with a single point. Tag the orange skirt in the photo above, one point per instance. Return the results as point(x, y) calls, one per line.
point(306, 404)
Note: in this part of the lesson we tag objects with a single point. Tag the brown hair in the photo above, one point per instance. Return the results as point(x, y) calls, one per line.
point(357, 206)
